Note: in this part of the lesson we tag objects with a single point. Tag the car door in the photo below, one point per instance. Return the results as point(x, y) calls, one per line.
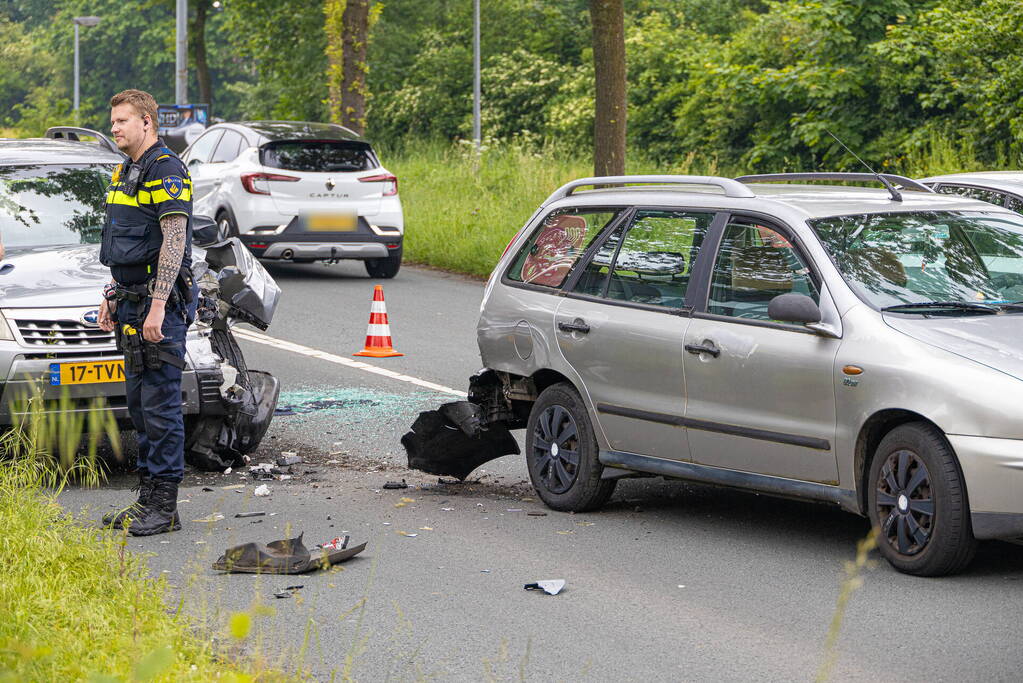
point(761, 394)
point(196, 159)
point(621, 329)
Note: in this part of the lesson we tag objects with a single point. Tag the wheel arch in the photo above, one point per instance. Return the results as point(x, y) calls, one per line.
point(873, 430)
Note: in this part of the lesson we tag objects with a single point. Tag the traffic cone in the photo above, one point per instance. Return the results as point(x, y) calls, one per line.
point(378, 334)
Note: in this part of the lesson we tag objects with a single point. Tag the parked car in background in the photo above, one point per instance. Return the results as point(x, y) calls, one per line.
point(299, 192)
point(848, 345)
point(1001, 188)
point(52, 198)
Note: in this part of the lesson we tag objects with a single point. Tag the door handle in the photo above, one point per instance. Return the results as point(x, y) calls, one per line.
point(709, 348)
point(578, 325)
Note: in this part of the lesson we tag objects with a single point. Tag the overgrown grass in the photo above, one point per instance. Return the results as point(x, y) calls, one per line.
point(76, 605)
point(460, 212)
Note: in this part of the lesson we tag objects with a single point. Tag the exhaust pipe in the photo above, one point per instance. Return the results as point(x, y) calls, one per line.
point(287, 254)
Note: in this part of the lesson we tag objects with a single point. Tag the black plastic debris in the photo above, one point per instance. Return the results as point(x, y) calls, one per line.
point(288, 592)
point(206, 488)
point(396, 485)
point(450, 441)
point(286, 556)
point(548, 586)
point(249, 514)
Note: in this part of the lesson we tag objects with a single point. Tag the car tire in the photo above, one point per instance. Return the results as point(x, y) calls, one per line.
point(917, 502)
point(226, 224)
point(565, 478)
point(384, 268)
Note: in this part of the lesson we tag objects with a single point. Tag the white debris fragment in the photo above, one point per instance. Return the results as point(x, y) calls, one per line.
point(227, 471)
point(262, 490)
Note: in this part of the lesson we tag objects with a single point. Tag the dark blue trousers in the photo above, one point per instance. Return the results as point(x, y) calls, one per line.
point(154, 396)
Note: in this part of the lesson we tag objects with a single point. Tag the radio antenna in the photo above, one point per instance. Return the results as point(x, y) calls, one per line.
point(896, 195)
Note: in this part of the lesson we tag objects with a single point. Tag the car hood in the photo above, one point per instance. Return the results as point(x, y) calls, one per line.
point(37, 277)
point(992, 340)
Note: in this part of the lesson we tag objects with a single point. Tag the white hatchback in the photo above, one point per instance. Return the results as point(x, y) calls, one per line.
point(299, 192)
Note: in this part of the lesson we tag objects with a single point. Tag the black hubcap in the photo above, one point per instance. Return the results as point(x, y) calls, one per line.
point(556, 449)
point(905, 506)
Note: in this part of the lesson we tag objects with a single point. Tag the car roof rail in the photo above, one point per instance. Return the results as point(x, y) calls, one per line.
point(907, 183)
point(74, 132)
point(730, 187)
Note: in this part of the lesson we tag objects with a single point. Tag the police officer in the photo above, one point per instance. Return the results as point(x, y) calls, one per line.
point(150, 303)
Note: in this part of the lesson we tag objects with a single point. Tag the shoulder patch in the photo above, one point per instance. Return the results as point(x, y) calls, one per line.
point(173, 184)
point(163, 156)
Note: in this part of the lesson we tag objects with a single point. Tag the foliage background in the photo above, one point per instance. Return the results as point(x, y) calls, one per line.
point(747, 84)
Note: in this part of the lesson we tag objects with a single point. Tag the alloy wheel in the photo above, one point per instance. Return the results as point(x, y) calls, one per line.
point(905, 502)
point(556, 449)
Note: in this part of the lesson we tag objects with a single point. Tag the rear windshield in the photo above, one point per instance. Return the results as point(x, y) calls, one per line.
point(52, 204)
point(327, 156)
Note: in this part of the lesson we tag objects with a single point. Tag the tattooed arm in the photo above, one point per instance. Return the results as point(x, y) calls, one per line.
point(174, 229)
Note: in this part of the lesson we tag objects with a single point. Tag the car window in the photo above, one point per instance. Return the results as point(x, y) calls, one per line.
point(199, 152)
point(556, 244)
point(653, 264)
point(52, 204)
point(983, 194)
point(927, 256)
point(324, 156)
point(228, 148)
point(754, 264)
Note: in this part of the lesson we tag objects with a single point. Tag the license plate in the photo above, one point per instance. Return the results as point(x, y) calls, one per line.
point(93, 372)
point(332, 222)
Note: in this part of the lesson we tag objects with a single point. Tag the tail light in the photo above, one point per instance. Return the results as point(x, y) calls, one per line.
point(383, 178)
point(249, 181)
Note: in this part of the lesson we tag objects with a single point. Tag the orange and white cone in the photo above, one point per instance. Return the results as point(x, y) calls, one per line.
point(378, 334)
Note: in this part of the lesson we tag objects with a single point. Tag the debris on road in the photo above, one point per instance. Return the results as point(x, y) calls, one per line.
point(288, 592)
point(548, 586)
point(227, 471)
point(215, 517)
point(396, 485)
point(262, 490)
point(406, 533)
point(286, 556)
point(403, 502)
point(288, 458)
point(249, 514)
point(206, 488)
point(232, 486)
point(536, 513)
point(338, 543)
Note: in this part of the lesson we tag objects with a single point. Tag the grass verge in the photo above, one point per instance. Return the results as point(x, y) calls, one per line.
point(76, 605)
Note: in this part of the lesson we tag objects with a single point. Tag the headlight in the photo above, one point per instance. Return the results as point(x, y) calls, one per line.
point(6, 333)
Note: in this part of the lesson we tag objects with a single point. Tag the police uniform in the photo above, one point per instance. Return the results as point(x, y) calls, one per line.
point(139, 196)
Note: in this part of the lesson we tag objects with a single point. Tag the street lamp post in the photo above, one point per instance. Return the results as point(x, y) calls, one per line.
point(80, 21)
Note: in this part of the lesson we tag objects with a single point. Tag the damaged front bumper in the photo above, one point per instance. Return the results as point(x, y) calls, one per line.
point(460, 436)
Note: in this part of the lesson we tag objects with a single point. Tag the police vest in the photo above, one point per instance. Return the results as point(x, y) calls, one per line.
point(140, 194)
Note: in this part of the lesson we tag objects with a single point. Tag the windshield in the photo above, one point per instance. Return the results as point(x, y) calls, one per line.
point(318, 155)
point(51, 204)
point(929, 256)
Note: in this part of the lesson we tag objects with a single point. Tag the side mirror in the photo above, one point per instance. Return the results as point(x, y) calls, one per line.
point(205, 231)
point(794, 308)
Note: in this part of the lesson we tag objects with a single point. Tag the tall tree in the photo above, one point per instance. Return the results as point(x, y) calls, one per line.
point(347, 27)
point(197, 36)
point(608, 20)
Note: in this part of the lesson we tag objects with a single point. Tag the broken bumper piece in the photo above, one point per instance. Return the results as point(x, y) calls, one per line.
point(450, 441)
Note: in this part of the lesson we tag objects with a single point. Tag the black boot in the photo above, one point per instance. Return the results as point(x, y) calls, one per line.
point(161, 513)
point(133, 511)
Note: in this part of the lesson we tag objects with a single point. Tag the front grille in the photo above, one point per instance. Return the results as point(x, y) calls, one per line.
point(63, 333)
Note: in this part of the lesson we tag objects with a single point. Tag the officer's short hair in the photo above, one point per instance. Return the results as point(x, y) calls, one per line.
point(142, 101)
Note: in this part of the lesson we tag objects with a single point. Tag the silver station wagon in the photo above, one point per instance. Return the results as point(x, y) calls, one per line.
point(843, 344)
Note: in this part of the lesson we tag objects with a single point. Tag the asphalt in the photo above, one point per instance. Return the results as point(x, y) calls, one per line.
point(669, 581)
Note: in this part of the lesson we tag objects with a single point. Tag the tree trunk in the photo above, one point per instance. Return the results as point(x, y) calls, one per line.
point(608, 19)
point(333, 10)
point(353, 83)
point(347, 25)
point(197, 34)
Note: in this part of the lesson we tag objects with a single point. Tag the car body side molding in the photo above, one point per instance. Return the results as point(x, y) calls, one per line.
point(721, 427)
point(761, 483)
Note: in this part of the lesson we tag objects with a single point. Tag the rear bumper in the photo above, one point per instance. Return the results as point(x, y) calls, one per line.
point(993, 469)
point(295, 242)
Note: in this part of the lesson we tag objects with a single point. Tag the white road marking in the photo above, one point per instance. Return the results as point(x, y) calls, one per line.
point(267, 340)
